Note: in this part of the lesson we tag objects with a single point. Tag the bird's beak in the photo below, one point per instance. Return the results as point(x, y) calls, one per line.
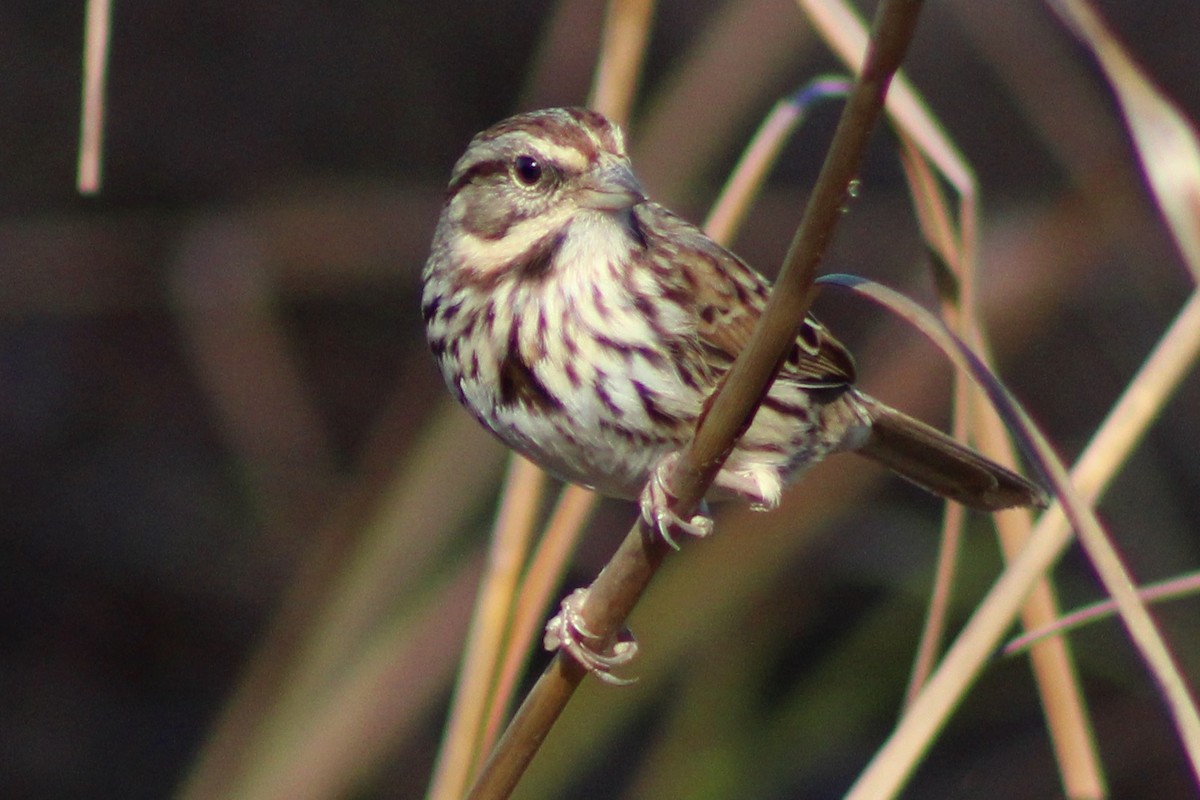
point(612, 188)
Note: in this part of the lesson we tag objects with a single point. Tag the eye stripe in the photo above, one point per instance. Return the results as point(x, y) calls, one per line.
point(482, 169)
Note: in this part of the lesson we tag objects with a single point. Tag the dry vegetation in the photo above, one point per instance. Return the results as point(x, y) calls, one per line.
point(248, 528)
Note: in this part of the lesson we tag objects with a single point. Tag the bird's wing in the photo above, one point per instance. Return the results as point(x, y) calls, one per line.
point(729, 298)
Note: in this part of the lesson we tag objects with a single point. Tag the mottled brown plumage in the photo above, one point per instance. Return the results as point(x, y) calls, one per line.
point(586, 326)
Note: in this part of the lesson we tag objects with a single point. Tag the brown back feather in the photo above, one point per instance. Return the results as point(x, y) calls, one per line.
point(729, 298)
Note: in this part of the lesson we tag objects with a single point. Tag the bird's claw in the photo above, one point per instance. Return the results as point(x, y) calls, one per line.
point(566, 630)
point(655, 504)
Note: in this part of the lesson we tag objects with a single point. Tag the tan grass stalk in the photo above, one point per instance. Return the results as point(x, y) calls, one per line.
point(622, 51)
point(723, 81)
point(326, 618)
point(1174, 356)
point(759, 157)
point(1053, 666)
point(96, 37)
point(545, 572)
point(489, 624)
point(394, 680)
point(1165, 139)
point(956, 249)
point(1172, 589)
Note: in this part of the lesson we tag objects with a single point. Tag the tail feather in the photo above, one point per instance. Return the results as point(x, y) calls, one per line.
point(938, 463)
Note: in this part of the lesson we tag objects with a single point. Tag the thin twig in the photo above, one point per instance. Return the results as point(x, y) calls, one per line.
point(618, 587)
point(1172, 589)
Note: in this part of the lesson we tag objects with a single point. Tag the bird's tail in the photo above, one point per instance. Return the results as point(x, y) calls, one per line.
point(934, 461)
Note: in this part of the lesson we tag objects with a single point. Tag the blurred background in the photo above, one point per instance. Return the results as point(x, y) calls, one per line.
point(214, 385)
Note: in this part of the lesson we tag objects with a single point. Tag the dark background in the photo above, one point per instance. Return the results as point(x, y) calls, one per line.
point(202, 363)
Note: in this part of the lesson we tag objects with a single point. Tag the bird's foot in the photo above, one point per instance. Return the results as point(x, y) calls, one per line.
point(655, 504)
point(566, 630)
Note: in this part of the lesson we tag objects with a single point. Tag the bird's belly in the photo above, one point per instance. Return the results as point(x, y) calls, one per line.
point(604, 433)
point(612, 460)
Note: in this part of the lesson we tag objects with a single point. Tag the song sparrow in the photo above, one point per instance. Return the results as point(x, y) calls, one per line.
point(585, 326)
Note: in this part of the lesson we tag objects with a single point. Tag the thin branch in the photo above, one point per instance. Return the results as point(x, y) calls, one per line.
point(621, 583)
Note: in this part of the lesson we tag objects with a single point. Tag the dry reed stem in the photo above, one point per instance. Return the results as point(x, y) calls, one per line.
point(96, 38)
point(1159, 591)
point(1062, 699)
point(937, 228)
point(224, 298)
point(394, 680)
point(1125, 425)
point(388, 557)
point(1170, 154)
point(617, 588)
point(922, 137)
point(749, 175)
point(1053, 667)
point(724, 79)
point(546, 568)
point(490, 621)
point(1053, 92)
point(1061, 695)
point(1166, 141)
point(622, 51)
point(306, 646)
point(940, 234)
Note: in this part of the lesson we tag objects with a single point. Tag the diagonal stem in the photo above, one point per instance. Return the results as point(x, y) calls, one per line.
point(618, 587)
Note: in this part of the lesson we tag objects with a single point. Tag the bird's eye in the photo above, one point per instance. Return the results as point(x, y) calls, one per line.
point(527, 169)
